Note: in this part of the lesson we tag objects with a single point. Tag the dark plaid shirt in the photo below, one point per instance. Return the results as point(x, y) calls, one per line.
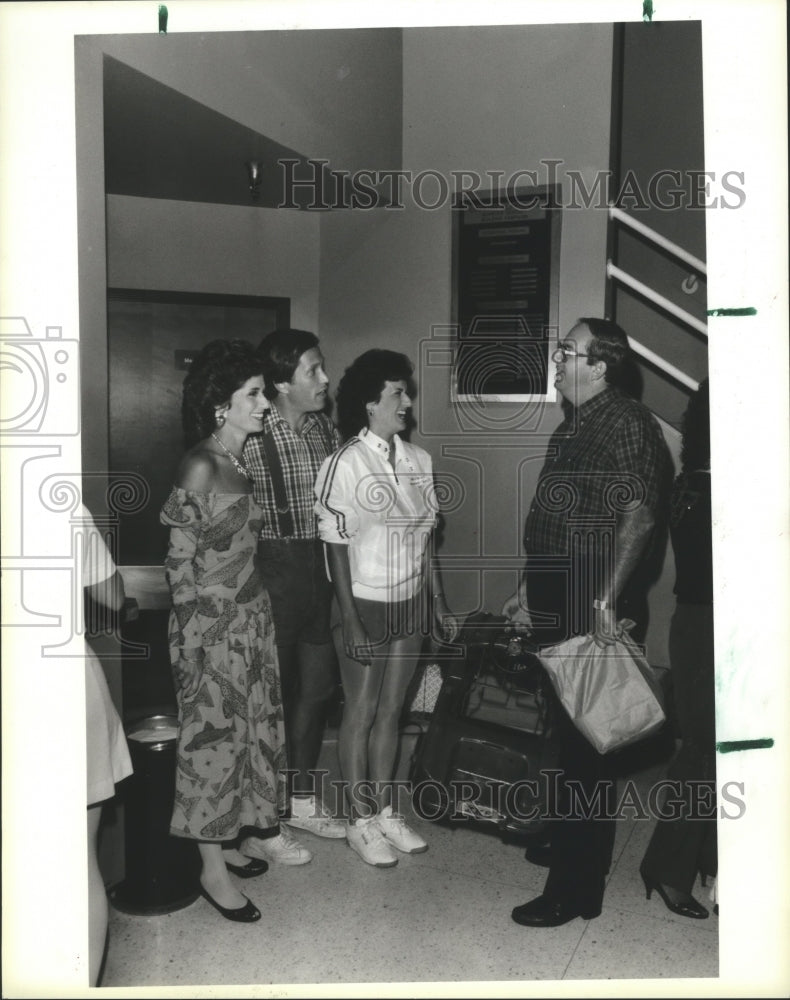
point(607, 457)
point(301, 456)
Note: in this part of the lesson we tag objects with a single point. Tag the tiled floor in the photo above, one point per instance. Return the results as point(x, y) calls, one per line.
point(442, 916)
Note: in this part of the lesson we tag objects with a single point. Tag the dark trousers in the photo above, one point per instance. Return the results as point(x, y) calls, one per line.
point(683, 847)
point(294, 574)
point(582, 838)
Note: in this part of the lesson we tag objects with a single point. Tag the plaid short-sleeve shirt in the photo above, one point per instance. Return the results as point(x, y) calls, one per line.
point(607, 457)
point(301, 456)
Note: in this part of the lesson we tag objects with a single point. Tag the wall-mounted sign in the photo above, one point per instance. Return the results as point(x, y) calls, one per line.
point(506, 252)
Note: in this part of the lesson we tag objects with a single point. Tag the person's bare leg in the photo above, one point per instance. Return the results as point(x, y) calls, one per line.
point(361, 688)
point(215, 878)
point(384, 735)
point(98, 911)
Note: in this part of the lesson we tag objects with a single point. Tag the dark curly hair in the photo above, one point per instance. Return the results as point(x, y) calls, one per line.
point(279, 354)
point(222, 367)
point(362, 383)
point(695, 450)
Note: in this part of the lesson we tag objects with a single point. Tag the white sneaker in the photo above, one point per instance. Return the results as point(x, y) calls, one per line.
point(367, 840)
point(397, 832)
point(309, 815)
point(284, 849)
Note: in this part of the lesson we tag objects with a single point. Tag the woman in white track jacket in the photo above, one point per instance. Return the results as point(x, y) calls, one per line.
point(377, 509)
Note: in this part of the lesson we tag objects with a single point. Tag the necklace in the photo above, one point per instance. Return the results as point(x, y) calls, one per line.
point(241, 469)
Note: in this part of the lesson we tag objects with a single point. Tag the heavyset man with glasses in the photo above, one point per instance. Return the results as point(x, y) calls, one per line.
point(598, 503)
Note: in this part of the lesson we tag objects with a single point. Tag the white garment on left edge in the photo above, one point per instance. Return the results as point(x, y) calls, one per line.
point(108, 759)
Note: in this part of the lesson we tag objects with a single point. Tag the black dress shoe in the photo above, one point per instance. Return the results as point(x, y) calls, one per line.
point(538, 854)
point(542, 912)
point(257, 866)
point(246, 914)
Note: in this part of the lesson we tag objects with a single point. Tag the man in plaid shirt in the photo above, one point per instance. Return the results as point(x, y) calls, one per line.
point(588, 534)
point(284, 460)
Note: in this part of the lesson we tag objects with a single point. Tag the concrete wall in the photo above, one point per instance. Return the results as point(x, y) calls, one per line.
point(326, 93)
point(331, 94)
point(481, 99)
point(195, 247)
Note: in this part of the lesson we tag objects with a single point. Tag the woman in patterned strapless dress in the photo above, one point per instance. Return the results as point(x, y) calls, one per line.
point(231, 742)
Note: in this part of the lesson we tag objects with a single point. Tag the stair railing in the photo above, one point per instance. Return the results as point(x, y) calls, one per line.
point(616, 273)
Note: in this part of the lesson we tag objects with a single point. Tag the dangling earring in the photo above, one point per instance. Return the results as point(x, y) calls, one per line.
point(220, 418)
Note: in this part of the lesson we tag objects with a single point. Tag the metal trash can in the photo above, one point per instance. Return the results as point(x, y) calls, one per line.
point(162, 872)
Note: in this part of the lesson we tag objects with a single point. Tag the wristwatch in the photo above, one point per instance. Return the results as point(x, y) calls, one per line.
point(600, 605)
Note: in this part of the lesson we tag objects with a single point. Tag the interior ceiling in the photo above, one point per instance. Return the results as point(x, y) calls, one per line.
point(158, 143)
point(183, 114)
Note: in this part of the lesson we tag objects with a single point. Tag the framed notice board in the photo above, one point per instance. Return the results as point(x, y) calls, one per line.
point(506, 254)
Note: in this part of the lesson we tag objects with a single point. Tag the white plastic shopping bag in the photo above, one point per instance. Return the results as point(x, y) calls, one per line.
point(610, 693)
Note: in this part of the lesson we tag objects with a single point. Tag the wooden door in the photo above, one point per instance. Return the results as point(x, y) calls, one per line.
point(148, 333)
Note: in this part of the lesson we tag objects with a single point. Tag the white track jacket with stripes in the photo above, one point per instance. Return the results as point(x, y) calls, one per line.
point(384, 515)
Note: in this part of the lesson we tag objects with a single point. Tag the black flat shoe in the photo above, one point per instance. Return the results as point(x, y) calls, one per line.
point(257, 866)
point(542, 912)
point(687, 907)
point(246, 914)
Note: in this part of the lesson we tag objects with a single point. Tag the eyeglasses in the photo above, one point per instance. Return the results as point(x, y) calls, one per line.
point(563, 353)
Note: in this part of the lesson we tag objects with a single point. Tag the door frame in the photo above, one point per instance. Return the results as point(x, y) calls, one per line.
point(279, 304)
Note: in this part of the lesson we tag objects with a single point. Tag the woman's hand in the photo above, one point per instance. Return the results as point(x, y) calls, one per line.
point(356, 640)
point(447, 625)
point(189, 670)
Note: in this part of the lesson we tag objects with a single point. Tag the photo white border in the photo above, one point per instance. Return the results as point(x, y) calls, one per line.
point(744, 73)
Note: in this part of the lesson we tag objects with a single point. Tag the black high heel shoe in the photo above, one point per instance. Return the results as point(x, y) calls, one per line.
point(688, 907)
point(255, 867)
point(246, 914)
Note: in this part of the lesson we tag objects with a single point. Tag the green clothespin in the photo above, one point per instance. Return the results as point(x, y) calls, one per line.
point(162, 19)
point(647, 10)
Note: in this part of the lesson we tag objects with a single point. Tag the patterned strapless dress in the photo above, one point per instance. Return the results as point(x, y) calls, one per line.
point(231, 743)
